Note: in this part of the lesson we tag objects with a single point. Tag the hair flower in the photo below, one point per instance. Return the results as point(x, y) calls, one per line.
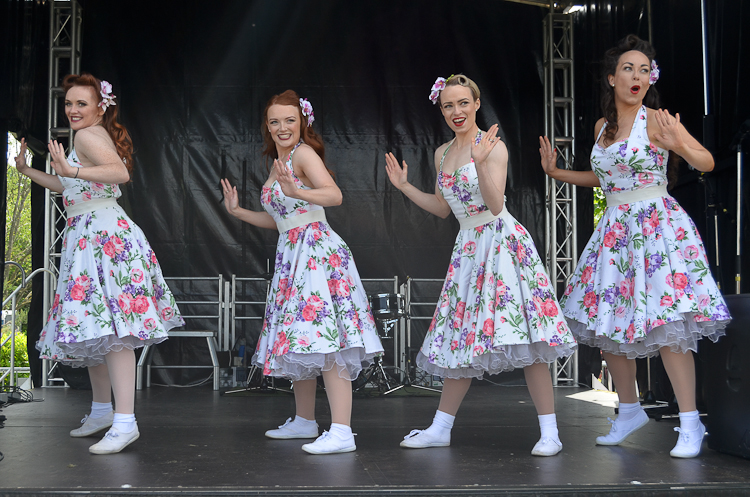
point(307, 110)
point(654, 76)
point(436, 89)
point(107, 97)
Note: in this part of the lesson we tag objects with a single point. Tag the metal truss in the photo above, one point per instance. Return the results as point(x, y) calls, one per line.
point(64, 58)
point(560, 215)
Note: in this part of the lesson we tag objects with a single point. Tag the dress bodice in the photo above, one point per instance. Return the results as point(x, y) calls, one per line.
point(81, 190)
point(461, 189)
point(630, 164)
point(278, 205)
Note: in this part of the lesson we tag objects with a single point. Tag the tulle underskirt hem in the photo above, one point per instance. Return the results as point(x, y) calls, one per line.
point(680, 336)
point(507, 358)
point(91, 352)
point(297, 367)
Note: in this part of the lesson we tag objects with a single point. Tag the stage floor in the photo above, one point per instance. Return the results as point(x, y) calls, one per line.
point(195, 441)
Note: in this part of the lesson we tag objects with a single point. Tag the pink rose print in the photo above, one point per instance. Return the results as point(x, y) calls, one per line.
point(334, 260)
point(293, 235)
point(520, 229)
point(609, 239)
point(680, 281)
point(568, 290)
point(501, 289)
point(311, 264)
point(541, 279)
point(630, 333)
point(288, 319)
point(691, 252)
point(620, 312)
point(140, 304)
point(82, 243)
point(149, 324)
point(550, 308)
point(489, 327)
point(703, 301)
point(123, 224)
point(586, 276)
point(470, 338)
point(666, 301)
point(84, 281)
point(480, 281)
point(71, 320)
point(343, 289)
point(303, 342)
point(333, 286)
point(316, 302)
point(124, 301)
point(460, 310)
point(454, 344)
point(646, 178)
point(470, 248)
point(118, 243)
point(448, 181)
point(109, 249)
point(136, 276)
point(561, 328)
point(308, 313)
point(680, 234)
point(77, 292)
point(589, 299)
point(167, 313)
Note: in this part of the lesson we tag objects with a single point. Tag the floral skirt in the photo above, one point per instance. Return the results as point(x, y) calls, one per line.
point(643, 282)
point(317, 314)
point(497, 310)
point(110, 293)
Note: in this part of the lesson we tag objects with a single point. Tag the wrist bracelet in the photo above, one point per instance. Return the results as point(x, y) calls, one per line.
point(77, 169)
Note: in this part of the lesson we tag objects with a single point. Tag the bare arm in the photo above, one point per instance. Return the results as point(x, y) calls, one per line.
point(491, 160)
point(49, 181)
point(231, 202)
point(673, 136)
point(549, 164)
point(434, 203)
point(324, 190)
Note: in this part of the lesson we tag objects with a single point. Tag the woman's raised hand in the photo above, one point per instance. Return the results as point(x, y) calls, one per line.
point(59, 162)
point(396, 173)
point(21, 165)
point(231, 199)
point(669, 133)
point(481, 149)
point(548, 155)
point(285, 179)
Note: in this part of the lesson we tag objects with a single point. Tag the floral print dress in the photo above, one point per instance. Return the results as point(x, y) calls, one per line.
point(643, 280)
point(317, 314)
point(110, 292)
point(497, 310)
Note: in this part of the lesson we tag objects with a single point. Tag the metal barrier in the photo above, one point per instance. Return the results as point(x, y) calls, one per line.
point(210, 335)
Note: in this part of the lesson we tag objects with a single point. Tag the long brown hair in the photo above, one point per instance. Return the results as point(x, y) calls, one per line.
point(307, 133)
point(117, 131)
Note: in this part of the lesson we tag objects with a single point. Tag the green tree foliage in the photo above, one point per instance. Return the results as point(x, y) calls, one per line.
point(22, 355)
point(17, 227)
point(600, 205)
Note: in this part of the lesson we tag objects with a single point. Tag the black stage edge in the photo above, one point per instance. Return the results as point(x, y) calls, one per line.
point(195, 441)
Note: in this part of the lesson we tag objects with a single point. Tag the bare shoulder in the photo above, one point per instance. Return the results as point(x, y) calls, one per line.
point(439, 153)
point(304, 153)
point(500, 151)
point(92, 137)
point(598, 127)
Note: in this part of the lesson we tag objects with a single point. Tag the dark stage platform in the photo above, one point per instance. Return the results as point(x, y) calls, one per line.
point(196, 442)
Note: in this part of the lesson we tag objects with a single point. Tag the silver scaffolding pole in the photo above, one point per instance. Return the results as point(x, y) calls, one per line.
point(560, 218)
point(64, 58)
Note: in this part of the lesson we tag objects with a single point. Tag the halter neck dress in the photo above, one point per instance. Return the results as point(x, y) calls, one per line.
point(110, 291)
point(497, 309)
point(643, 281)
point(317, 314)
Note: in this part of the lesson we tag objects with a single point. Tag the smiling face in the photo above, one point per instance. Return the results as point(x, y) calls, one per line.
point(283, 123)
point(81, 107)
point(631, 77)
point(459, 108)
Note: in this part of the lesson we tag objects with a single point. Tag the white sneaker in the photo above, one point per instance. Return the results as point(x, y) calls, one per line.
point(291, 429)
point(689, 442)
point(93, 425)
point(114, 441)
point(422, 439)
point(330, 444)
point(622, 429)
point(546, 446)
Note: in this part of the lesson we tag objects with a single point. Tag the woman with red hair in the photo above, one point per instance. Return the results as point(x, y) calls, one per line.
point(318, 319)
point(111, 297)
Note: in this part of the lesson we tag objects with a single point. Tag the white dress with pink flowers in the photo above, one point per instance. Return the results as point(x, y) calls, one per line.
point(317, 314)
point(643, 280)
point(110, 292)
point(497, 310)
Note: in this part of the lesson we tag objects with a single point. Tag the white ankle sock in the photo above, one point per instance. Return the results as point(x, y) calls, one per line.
point(626, 412)
point(442, 423)
point(125, 423)
point(689, 421)
point(99, 409)
point(548, 426)
point(342, 432)
point(302, 421)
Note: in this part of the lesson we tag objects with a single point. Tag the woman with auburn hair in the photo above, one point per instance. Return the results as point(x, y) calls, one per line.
point(497, 310)
point(642, 286)
point(111, 296)
point(318, 319)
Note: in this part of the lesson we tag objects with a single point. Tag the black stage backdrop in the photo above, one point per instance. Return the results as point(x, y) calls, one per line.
point(192, 79)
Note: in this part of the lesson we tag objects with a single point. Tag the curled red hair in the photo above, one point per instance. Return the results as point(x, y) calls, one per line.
point(117, 131)
point(307, 133)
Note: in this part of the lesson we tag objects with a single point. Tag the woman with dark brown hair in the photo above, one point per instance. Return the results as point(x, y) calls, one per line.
point(643, 285)
point(317, 320)
point(111, 297)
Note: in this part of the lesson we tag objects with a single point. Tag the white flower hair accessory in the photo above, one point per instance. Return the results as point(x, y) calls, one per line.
point(654, 76)
point(307, 111)
point(436, 89)
point(107, 97)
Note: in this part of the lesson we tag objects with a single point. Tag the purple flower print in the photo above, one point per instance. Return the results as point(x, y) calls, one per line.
point(556, 340)
point(610, 294)
point(464, 196)
point(623, 148)
point(438, 341)
point(654, 263)
point(142, 335)
point(113, 305)
point(432, 357)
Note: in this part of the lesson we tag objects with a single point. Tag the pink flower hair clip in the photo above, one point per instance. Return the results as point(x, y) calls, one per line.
point(436, 89)
point(654, 76)
point(307, 111)
point(107, 97)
